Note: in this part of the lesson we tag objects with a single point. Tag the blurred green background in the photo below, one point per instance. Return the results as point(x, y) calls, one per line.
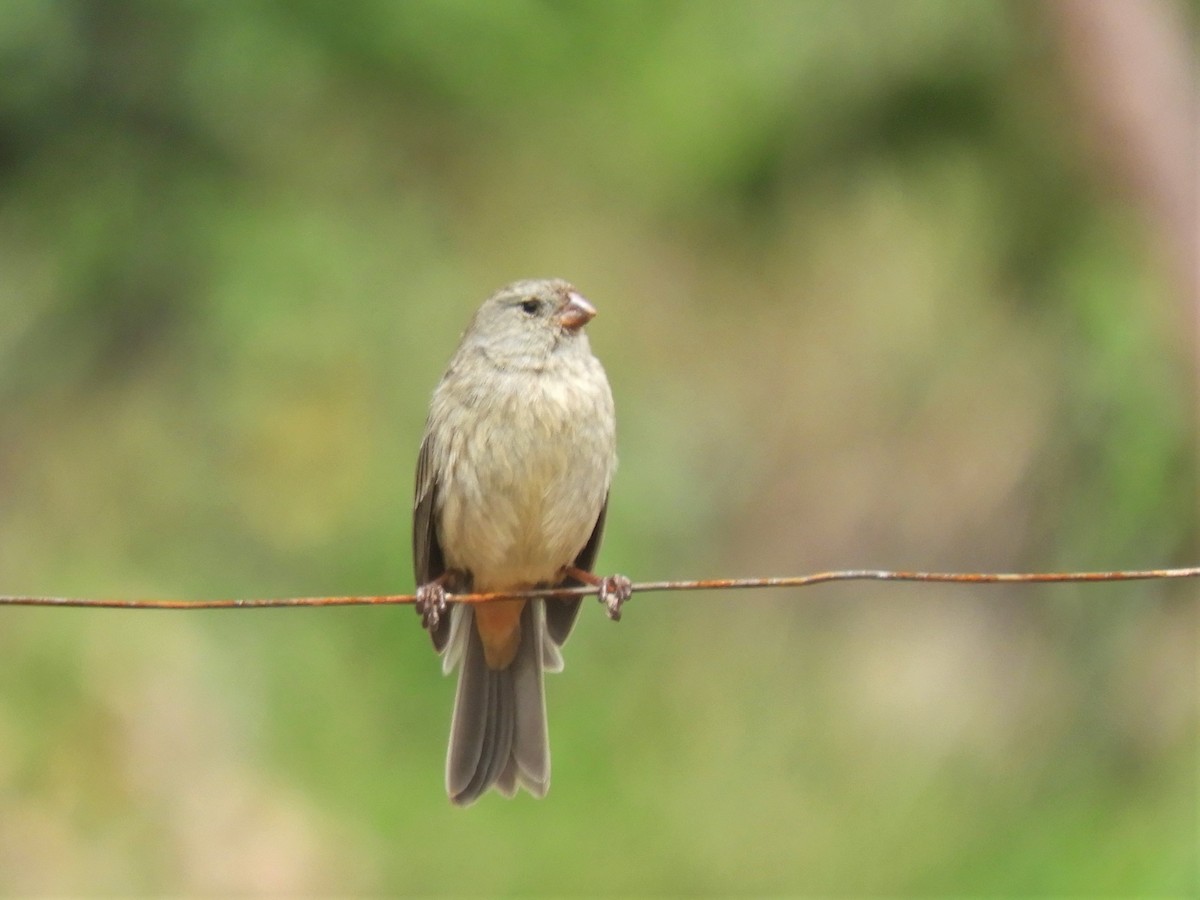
point(881, 284)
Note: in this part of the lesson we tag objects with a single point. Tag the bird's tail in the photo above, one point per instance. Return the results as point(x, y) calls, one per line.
point(498, 736)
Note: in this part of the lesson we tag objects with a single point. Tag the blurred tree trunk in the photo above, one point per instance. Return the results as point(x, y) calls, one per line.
point(1131, 64)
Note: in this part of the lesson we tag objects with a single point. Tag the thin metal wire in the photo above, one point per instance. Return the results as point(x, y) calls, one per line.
point(644, 587)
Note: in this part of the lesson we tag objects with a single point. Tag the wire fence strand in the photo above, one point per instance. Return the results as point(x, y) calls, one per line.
point(645, 587)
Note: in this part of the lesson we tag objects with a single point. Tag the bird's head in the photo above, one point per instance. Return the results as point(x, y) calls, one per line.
point(525, 324)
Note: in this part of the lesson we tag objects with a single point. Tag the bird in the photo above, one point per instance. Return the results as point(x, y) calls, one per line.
point(512, 485)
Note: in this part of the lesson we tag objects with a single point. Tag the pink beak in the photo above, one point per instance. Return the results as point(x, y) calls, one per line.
point(576, 313)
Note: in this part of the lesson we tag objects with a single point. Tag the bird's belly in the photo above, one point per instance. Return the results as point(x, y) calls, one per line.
point(523, 502)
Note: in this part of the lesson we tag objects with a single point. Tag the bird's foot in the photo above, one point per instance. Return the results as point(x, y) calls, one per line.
point(614, 591)
point(611, 590)
point(431, 602)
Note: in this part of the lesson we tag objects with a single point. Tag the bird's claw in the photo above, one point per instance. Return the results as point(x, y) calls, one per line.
point(431, 604)
point(614, 590)
point(611, 590)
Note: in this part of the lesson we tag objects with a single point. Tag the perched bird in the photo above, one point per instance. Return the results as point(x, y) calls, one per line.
point(512, 486)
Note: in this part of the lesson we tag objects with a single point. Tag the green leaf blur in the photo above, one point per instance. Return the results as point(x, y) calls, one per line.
point(869, 297)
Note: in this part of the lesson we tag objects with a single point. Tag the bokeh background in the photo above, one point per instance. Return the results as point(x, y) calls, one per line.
point(881, 284)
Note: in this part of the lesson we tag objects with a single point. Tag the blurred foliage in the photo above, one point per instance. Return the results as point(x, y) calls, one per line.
point(868, 298)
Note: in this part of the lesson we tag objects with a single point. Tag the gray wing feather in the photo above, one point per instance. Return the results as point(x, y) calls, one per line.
point(561, 614)
point(428, 560)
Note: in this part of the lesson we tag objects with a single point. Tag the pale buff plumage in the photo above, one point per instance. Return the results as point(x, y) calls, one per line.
point(512, 483)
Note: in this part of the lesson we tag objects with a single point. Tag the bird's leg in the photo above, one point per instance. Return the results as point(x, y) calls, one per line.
point(431, 599)
point(612, 590)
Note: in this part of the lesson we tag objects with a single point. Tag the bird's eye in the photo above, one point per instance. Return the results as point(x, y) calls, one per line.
point(530, 307)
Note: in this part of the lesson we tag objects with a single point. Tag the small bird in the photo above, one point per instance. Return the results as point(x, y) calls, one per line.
point(512, 487)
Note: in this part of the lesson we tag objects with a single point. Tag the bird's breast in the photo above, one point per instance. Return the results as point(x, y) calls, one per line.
point(525, 470)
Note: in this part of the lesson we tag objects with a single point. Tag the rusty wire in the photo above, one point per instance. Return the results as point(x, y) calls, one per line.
point(645, 587)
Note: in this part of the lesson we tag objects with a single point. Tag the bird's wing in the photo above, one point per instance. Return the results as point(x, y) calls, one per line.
point(428, 561)
point(560, 614)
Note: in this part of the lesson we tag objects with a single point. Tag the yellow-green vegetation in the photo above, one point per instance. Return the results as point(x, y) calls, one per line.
point(869, 297)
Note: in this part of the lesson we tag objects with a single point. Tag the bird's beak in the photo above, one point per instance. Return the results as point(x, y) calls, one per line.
point(576, 313)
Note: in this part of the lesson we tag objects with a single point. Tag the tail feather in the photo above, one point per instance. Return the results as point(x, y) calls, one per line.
point(498, 736)
point(468, 727)
point(531, 751)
